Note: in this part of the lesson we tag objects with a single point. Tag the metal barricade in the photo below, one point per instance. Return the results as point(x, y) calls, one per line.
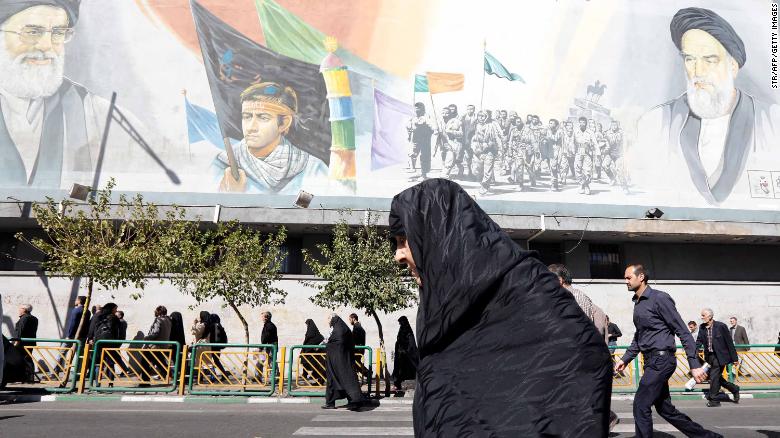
point(55, 364)
point(306, 370)
point(233, 369)
point(144, 366)
point(757, 369)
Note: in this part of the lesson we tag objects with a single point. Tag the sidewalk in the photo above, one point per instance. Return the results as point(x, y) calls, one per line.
point(29, 398)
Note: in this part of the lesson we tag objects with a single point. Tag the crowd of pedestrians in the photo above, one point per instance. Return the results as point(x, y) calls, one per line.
point(106, 322)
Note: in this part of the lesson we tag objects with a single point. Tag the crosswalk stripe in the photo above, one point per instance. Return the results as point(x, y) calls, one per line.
point(364, 418)
point(625, 428)
point(355, 431)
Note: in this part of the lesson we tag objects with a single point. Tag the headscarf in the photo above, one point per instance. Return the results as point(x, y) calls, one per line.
point(9, 8)
point(447, 232)
point(313, 335)
point(177, 328)
point(204, 318)
point(712, 23)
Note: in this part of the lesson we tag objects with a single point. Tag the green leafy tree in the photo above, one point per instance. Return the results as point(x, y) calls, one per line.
point(109, 245)
point(234, 263)
point(361, 273)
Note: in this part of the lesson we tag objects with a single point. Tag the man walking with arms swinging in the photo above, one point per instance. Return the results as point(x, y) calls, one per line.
point(657, 321)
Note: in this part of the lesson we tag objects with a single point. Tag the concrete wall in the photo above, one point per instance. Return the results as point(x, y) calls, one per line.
point(756, 305)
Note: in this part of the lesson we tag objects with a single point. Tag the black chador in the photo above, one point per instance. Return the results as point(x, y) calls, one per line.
point(406, 356)
point(342, 379)
point(504, 350)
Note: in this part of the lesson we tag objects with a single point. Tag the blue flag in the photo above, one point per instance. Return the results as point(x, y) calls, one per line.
point(494, 67)
point(202, 124)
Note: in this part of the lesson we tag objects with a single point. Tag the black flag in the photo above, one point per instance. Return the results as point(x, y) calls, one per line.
point(234, 62)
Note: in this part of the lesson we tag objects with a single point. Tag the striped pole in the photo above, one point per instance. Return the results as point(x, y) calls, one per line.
point(342, 118)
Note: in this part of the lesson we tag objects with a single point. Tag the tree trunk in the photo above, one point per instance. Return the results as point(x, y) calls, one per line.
point(246, 341)
point(382, 347)
point(86, 306)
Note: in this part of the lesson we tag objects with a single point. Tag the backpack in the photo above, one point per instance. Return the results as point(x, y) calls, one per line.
point(103, 329)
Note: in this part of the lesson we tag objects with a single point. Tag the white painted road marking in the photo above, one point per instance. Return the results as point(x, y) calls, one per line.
point(355, 431)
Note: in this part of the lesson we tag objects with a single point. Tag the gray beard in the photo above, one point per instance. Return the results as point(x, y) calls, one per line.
point(710, 105)
point(30, 81)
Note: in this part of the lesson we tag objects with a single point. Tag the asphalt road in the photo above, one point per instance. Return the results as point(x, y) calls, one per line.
point(114, 419)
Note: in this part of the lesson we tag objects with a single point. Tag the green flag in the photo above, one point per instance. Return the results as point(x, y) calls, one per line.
point(287, 34)
point(420, 83)
point(494, 67)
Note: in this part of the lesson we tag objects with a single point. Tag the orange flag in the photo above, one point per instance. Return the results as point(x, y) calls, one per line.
point(444, 82)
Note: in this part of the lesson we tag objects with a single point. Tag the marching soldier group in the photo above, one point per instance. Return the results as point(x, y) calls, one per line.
point(475, 146)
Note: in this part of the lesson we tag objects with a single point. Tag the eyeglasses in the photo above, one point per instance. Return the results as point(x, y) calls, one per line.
point(30, 35)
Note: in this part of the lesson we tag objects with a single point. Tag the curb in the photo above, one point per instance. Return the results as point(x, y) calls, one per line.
point(276, 400)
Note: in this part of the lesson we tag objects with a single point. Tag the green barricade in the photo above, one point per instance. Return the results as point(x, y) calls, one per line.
point(757, 370)
point(55, 366)
point(233, 369)
point(306, 376)
point(145, 366)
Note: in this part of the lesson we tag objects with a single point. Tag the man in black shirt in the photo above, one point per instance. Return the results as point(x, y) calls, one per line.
point(657, 321)
point(719, 351)
point(359, 336)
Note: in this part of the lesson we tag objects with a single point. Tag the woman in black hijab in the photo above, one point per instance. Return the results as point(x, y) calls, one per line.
point(314, 363)
point(177, 329)
point(504, 350)
point(406, 356)
point(342, 378)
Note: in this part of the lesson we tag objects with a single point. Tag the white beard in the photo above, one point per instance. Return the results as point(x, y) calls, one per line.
point(30, 81)
point(711, 104)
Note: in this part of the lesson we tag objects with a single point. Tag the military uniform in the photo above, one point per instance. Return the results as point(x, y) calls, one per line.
point(420, 132)
point(464, 160)
point(524, 155)
point(487, 141)
point(613, 161)
point(585, 143)
point(552, 143)
point(452, 145)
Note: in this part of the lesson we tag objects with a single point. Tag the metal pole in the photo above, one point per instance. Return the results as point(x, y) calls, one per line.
point(482, 95)
point(281, 370)
point(183, 369)
point(102, 152)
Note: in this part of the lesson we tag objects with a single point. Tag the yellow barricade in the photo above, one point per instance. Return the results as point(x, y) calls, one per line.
point(233, 369)
point(53, 365)
point(142, 366)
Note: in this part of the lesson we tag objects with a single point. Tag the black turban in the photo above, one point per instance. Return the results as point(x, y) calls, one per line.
point(712, 23)
point(12, 7)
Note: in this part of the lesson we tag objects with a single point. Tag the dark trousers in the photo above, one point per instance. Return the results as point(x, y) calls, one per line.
point(716, 377)
point(654, 391)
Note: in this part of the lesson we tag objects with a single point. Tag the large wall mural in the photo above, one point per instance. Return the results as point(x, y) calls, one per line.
point(601, 103)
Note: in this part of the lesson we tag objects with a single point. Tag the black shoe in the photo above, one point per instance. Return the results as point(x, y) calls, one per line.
point(713, 404)
point(613, 420)
point(328, 406)
point(736, 395)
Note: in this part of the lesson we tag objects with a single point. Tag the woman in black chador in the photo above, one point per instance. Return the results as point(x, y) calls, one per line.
point(406, 356)
point(342, 378)
point(313, 363)
point(504, 350)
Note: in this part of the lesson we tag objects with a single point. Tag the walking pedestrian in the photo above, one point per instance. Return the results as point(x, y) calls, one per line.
point(218, 335)
point(159, 331)
point(313, 363)
point(26, 327)
point(200, 331)
point(740, 338)
point(268, 336)
point(359, 336)
point(592, 311)
point(74, 318)
point(342, 381)
point(406, 357)
point(657, 322)
point(488, 310)
point(105, 328)
point(614, 334)
point(719, 351)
